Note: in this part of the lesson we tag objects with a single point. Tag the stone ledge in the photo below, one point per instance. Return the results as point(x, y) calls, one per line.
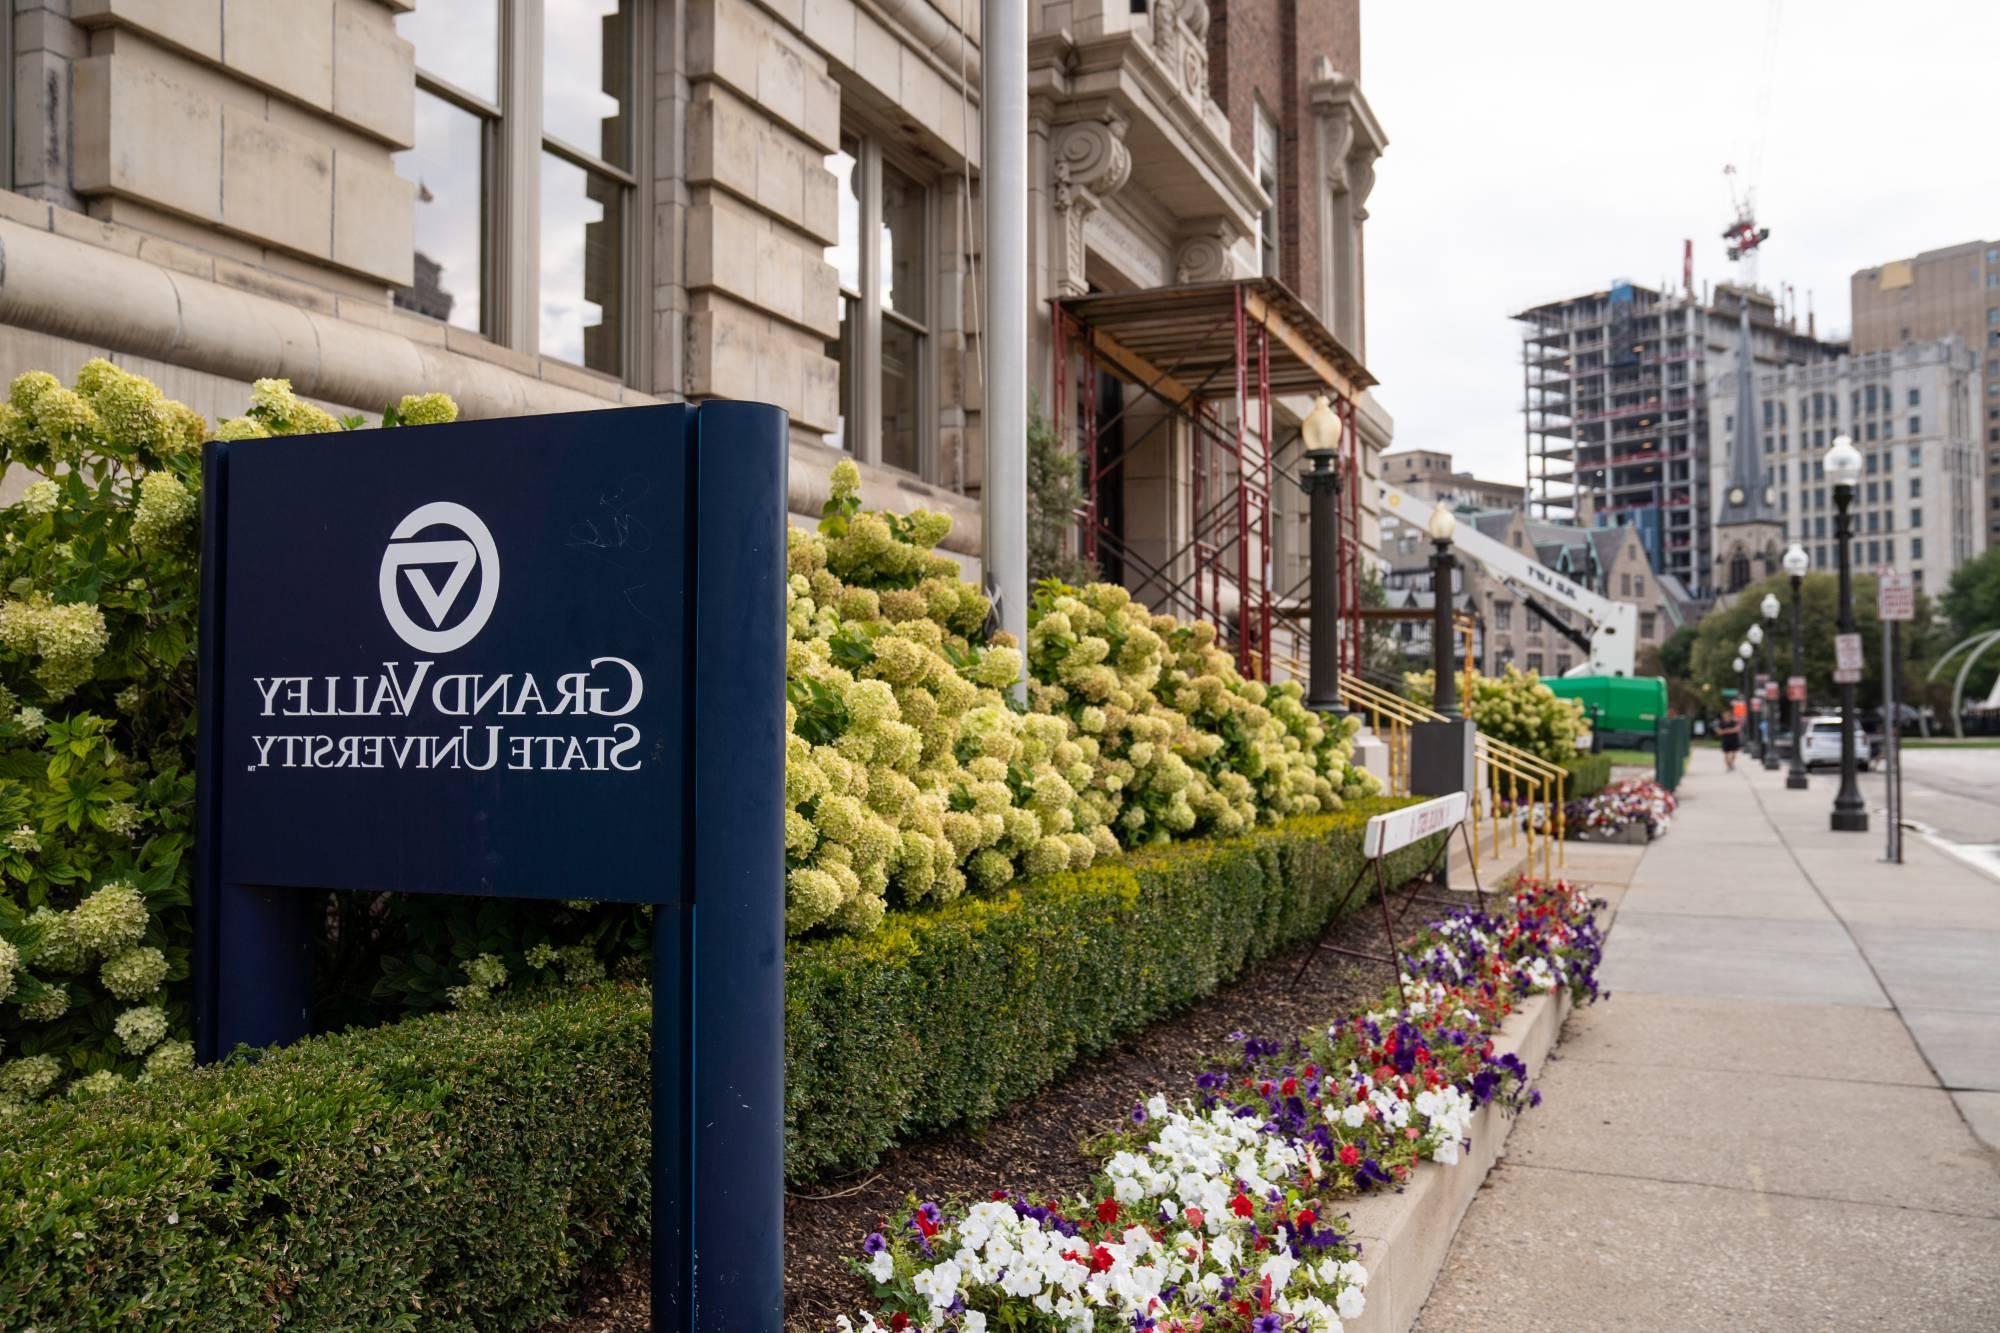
point(1406, 1237)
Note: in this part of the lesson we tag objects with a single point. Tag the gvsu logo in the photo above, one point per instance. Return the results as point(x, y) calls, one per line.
point(435, 569)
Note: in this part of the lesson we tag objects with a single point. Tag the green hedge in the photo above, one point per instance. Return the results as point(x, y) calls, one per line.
point(456, 1171)
point(944, 1018)
point(451, 1172)
point(1589, 774)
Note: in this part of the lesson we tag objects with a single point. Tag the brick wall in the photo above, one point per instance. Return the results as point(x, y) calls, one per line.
point(1263, 50)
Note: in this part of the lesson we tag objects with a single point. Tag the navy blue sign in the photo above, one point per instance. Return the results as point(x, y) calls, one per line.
point(538, 658)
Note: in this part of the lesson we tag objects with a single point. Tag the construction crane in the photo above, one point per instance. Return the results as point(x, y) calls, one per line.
point(1608, 637)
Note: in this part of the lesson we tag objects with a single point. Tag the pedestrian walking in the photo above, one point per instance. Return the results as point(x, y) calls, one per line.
point(1730, 728)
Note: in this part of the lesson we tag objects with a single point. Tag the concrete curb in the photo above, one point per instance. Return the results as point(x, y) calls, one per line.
point(1406, 1237)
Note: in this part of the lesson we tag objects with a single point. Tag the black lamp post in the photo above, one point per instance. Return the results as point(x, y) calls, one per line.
point(1746, 680)
point(1322, 430)
point(1797, 562)
point(1736, 668)
point(1761, 713)
point(1769, 606)
point(1444, 692)
point(1843, 469)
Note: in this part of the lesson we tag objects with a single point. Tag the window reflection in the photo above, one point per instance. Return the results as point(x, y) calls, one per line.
point(582, 265)
point(457, 41)
point(902, 350)
point(446, 166)
point(586, 76)
point(902, 242)
point(845, 256)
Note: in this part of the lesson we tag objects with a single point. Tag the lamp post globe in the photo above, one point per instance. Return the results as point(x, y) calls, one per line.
point(1797, 562)
point(1444, 689)
point(1843, 469)
point(1321, 431)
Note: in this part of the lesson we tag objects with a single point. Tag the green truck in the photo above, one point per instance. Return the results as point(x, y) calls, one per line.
point(1624, 711)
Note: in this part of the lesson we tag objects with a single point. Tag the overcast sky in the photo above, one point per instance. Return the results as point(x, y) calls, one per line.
point(1539, 149)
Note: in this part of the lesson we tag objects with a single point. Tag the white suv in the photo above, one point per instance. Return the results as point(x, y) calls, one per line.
point(1823, 743)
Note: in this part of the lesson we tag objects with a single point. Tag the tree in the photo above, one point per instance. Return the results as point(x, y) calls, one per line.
point(1972, 605)
point(1055, 491)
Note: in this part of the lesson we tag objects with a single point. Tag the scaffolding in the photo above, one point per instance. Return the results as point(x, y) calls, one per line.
point(1214, 355)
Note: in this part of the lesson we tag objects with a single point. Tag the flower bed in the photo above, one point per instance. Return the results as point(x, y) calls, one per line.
point(1215, 1213)
point(1638, 808)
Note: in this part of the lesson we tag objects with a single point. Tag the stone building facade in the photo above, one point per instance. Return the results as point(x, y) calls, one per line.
point(1953, 290)
point(556, 205)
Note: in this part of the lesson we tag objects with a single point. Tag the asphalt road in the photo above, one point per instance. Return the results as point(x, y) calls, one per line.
point(1954, 792)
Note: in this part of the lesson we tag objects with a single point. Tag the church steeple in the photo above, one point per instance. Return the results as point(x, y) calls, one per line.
point(1747, 498)
point(1748, 529)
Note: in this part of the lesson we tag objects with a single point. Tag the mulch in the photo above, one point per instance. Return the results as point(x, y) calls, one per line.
point(1035, 1146)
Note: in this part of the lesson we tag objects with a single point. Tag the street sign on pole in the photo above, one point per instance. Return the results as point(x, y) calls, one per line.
point(1895, 596)
point(1795, 689)
point(1847, 659)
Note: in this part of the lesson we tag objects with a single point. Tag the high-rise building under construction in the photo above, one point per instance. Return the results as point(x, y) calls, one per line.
point(1615, 409)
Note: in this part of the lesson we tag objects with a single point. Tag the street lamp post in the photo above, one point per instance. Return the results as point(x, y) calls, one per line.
point(1843, 469)
point(1321, 481)
point(1444, 691)
point(1756, 640)
point(1736, 666)
point(1769, 606)
point(1797, 562)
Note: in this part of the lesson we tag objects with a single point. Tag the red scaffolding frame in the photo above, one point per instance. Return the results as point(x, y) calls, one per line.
point(1215, 355)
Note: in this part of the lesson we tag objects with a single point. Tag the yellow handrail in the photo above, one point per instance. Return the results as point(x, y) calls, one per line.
point(1544, 780)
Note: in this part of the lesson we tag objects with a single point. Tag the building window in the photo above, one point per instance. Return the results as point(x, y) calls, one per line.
point(1503, 615)
point(586, 180)
point(500, 157)
point(1916, 426)
point(1535, 663)
point(882, 262)
point(1871, 430)
point(1916, 548)
point(1562, 664)
point(1916, 487)
point(1889, 550)
point(1873, 462)
point(1916, 456)
point(1649, 624)
point(1916, 397)
point(1916, 518)
point(1267, 180)
point(1874, 553)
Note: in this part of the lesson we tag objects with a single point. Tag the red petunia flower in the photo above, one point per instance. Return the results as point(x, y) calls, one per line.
point(1349, 1155)
point(1305, 1218)
point(1289, 1086)
point(1107, 1212)
point(1100, 1260)
point(1241, 1206)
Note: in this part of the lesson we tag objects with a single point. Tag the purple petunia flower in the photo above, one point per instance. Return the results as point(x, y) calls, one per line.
point(874, 1243)
point(1266, 1323)
point(931, 1213)
point(1138, 1114)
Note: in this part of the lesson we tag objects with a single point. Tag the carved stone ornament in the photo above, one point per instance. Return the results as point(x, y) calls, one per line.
point(1090, 163)
point(1203, 254)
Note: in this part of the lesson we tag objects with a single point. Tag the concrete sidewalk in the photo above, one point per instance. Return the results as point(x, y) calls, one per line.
point(1770, 1124)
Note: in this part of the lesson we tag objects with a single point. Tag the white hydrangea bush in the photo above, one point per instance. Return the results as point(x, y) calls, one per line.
point(98, 584)
point(911, 777)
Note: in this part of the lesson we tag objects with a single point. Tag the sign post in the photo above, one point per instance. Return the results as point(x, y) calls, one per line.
point(531, 658)
point(1895, 602)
